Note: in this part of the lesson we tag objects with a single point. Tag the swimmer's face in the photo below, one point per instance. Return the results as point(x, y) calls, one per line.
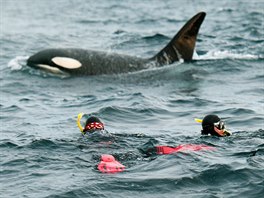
point(219, 128)
point(214, 126)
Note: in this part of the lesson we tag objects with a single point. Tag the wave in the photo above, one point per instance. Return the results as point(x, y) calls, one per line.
point(8, 144)
point(17, 63)
point(226, 54)
point(159, 37)
point(43, 143)
point(235, 163)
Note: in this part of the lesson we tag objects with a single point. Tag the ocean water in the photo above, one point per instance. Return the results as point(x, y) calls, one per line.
point(42, 152)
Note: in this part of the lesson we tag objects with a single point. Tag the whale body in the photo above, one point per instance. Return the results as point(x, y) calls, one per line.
point(83, 62)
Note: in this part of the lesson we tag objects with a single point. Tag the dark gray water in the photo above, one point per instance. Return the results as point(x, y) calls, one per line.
point(42, 152)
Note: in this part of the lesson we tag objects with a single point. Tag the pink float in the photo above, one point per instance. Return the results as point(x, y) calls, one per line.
point(108, 164)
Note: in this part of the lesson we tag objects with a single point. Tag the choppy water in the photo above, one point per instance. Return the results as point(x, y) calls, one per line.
point(42, 152)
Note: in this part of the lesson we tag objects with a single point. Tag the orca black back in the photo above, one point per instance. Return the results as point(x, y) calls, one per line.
point(88, 62)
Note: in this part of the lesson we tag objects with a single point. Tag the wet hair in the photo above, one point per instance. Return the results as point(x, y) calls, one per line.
point(208, 124)
point(92, 119)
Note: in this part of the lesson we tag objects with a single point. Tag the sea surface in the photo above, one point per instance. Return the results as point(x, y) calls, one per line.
point(44, 155)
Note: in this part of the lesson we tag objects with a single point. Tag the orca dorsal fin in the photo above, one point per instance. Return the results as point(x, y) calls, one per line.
point(183, 43)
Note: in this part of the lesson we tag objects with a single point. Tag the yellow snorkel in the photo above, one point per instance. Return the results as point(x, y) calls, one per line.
point(80, 115)
point(198, 120)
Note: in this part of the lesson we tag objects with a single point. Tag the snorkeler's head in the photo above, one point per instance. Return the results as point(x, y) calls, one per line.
point(93, 124)
point(213, 125)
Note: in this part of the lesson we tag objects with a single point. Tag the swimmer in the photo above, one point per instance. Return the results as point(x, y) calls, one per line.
point(214, 126)
point(108, 164)
point(93, 126)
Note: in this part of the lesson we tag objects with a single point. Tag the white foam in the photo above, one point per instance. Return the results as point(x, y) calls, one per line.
point(225, 54)
point(16, 63)
point(195, 55)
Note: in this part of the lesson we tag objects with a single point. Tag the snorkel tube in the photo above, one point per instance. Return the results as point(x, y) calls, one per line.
point(198, 120)
point(80, 115)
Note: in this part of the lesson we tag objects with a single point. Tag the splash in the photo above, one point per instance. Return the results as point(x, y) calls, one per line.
point(225, 54)
point(17, 63)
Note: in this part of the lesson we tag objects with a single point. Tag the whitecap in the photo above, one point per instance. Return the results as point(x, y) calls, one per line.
point(225, 54)
point(17, 62)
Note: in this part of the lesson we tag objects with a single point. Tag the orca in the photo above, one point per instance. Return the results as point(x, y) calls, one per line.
point(88, 62)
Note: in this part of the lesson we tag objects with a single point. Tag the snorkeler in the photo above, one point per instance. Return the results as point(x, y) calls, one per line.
point(92, 124)
point(108, 164)
point(213, 125)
